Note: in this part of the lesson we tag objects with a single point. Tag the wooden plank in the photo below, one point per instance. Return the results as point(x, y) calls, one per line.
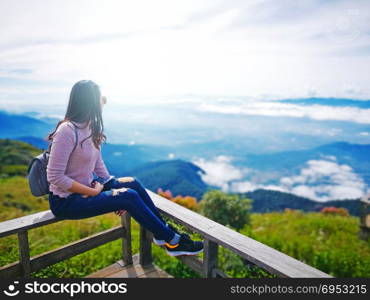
point(113, 268)
point(126, 239)
point(146, 239)
point(192, 262)
point(11, 270)
point(136, 270)
point(263, 256)
point(53, 256)
point(106, 271)
point(218, 273)
point(210, 258)
point(24, 253)
point(132, 271)
point(75, 248)
point(156, 273)
point(27, 222)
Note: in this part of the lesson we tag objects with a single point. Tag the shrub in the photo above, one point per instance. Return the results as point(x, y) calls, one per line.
point(227, 209)
point(186, 201)
point(166, 194)
point(331, 210)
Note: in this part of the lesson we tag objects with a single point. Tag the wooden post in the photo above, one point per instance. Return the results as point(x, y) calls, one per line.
point(126, 239)
point(146, 238)
point(210, 258)
point(24, 253)
point(364, 232)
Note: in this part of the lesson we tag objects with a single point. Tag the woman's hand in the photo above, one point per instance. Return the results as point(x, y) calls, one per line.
point(98, 187)
point(120, 212)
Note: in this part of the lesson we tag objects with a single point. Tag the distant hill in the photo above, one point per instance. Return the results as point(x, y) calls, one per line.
point(34, 141)
point(122, 158)
point(16, 152)
point(15, 157)
point(268, 201)
point(32, 128)
point(48, 119)
point(14, 125)
point(119, 158)
point(180, 177)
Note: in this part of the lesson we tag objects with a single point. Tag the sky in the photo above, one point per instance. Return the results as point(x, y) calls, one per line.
point(214, 61)
point(163, 51)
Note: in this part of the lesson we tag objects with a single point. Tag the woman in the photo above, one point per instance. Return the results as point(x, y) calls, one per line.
point(80, 184)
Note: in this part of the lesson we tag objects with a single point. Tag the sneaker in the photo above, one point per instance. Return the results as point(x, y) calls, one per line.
point(186, 246)
point(163, 242)
point(159, 242)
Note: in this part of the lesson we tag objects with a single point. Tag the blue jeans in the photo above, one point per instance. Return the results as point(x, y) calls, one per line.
point(134, 199)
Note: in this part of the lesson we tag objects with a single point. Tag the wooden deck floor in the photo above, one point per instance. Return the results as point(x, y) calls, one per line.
point(136, 270)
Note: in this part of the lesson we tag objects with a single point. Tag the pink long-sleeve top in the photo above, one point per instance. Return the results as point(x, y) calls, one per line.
point(64, 166)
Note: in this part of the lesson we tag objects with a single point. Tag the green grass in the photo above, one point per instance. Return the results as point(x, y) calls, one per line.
point(326, 242)
point(329, 243)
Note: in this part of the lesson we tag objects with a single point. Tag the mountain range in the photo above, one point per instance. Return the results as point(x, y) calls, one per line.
point(154, 165)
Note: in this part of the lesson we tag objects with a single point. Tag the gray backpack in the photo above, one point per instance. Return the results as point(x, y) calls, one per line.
point(37, 177)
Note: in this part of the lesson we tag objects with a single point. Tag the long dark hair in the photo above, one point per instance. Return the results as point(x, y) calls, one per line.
point(84, 106)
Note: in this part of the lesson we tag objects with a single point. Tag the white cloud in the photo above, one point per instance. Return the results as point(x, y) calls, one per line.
point(336, 131)
point(324, 180)
point(278, 109)
point(255, 48)
point(319, 180)
point(220, 171)
point(242, 186)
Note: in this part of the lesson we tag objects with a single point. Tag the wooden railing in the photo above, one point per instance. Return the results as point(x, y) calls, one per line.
point(214, 234)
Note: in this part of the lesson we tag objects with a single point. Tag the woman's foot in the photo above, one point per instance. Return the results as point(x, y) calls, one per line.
point(163, 242)
point(185, 246)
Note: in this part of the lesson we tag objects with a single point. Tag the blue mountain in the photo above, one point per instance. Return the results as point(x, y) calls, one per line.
point(178, 176)
point(16, 125)
point(34, 141)
point(181, 178)
point(329, 101)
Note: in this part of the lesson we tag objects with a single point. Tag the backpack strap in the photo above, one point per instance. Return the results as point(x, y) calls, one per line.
point(49, 147)
point(76, 137)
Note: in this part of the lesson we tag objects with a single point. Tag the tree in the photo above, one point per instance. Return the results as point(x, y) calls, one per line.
point(226, 209)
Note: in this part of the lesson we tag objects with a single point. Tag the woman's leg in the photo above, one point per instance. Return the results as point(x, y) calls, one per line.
point(77, 207)
point(134, 183)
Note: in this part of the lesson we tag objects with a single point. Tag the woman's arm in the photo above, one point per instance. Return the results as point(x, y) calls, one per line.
point(100, 168)
point(83, 189)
